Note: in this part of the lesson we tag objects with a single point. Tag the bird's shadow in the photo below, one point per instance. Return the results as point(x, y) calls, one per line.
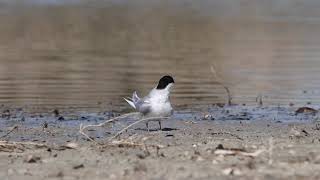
point(152, 130)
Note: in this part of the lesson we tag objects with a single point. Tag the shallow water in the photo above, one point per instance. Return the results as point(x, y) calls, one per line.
point(89, 55)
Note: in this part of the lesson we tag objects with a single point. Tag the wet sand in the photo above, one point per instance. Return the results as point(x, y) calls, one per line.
point(195, 147)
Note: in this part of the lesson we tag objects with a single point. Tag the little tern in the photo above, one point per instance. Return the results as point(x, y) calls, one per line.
point(156, 103)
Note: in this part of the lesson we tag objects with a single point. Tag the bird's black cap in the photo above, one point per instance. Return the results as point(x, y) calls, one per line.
point(164, 81)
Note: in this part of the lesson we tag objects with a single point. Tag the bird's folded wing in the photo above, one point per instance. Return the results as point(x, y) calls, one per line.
point(145, 108)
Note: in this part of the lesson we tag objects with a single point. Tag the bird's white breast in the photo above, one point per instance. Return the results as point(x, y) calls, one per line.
point(160, 104)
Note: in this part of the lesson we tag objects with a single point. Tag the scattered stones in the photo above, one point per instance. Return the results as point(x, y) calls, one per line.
point(70, 145)
point(296, 133)
point(142, 155)
point(56, 113)
point(232, 171)
point(78, 166)
point(317, 127)
point(6, 114)
point(305, 132)
point(306, 110)
point(61, 118)
point(208, 117)
point(45, 125)
point(169, 135)
point(220, 146)
point(32, 159)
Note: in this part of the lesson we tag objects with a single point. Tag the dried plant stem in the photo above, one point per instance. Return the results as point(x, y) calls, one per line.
point(259, 100)
point(238, 152)
point(228, 93)
point(13, 128)
point(220, 82)
point(142, 120)
point(10, 146)
point(22, 143)
point(109, 121)
point(88, 137)
point(82, 128)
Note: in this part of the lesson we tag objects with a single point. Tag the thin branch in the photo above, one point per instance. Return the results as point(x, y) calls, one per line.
point(142, 120)
point(220, 82)
point(82, 128)
point(88, 137)
point(109, 121)
point(10, 146)
point(259, 100)
point(24, 143)
point(238, 152)
point(13, 128)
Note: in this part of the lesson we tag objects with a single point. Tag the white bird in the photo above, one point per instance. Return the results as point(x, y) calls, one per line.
point(156, 103)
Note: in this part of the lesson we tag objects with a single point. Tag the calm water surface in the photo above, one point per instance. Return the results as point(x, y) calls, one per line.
point(86, 54)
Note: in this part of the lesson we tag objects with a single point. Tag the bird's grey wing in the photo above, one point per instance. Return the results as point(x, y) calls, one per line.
point(143, 106)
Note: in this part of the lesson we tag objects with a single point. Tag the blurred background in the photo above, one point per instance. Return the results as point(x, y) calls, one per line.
point(81, 54)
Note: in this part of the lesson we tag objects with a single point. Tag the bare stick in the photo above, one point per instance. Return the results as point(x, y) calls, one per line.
point(82, 128)
point(23, 143)
point(142, 120)
point(237, 152)
point(228, 93)
point(10, 146)
point(13, 128)
point(220, 82)
point(109, 121)
point(259, 100)
point(88, 137)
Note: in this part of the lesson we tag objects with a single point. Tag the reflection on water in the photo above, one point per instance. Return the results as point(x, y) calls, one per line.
point(82, 54)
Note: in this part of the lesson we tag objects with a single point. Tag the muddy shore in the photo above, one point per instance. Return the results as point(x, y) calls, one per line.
point(214, 143)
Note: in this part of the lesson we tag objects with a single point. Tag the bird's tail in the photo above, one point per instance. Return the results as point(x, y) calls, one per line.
point(132, 101)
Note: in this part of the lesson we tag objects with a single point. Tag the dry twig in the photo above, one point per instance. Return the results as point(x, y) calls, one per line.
point(12, 129)
point(82, 128)
point(220, 82)
point(142, 120)
point(10, 146)
point(259, 100)
point(238, 152)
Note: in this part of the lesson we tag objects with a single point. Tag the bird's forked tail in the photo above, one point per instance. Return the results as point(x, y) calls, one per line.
point(132, 101)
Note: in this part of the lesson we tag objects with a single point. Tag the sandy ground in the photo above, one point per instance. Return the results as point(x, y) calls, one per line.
point(187, 148)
